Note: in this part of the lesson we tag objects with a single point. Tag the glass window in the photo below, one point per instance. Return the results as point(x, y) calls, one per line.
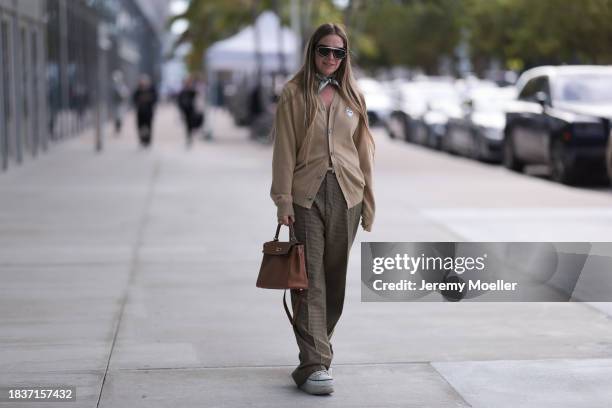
point(7, 63)
point(542, 86)
point(23, 141)
point(584, 88)
point(535, 85)
point(24, 74)
point(3, 94)
point(35, 91)
point(7, 83)
point(528, 90)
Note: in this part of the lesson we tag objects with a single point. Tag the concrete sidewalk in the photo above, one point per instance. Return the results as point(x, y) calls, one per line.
point(131, 275)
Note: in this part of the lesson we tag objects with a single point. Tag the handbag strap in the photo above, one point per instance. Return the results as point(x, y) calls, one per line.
point(292, 319)
point(292, 237)
point(297, 309)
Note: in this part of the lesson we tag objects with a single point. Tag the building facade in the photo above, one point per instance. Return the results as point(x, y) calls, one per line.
point(57, 58)
point(22, 88)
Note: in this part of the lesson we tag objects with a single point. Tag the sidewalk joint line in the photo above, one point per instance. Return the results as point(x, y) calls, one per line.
point(356, 364)
point(456, 391)
point(264, 366)
point(132, 270)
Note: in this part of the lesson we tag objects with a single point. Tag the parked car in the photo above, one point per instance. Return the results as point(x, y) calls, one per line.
point(414, 100)
point(378, 101)
point(562, 119)
point(409, 106)
point(479, 132)
point(443, 105)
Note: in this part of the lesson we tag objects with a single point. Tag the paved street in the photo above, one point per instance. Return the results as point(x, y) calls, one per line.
point(131, 275)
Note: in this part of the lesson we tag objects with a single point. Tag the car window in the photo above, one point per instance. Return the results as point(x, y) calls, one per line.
point(529, 90)
point(589, 88)
point(542, 86)
point(535, 85)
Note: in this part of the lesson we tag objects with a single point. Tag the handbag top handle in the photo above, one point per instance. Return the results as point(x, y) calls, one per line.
point(292, 237)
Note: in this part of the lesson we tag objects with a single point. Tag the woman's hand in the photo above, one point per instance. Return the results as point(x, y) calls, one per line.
point(286, 220)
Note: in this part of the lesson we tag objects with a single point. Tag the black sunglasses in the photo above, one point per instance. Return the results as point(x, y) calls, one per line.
point(323, 51)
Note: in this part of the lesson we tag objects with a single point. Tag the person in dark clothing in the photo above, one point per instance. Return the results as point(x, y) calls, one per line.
point(186, 102)
point(144, 99)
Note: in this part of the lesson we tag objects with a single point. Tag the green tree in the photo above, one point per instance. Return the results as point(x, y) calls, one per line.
point(419, 33)
point(414, 33)
point(524, 33)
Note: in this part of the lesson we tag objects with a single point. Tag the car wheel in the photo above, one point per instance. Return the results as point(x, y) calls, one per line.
point(437, 143)
point(609, 160)
point(445, 143)
point(510, 160)
point(561, 171)
point(396, 126)
point(483, 151)
point(476, 148)
point(431, 139)
point(409, 131)
point(421, 134)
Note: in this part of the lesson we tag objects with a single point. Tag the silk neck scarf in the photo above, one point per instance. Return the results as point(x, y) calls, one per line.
point(324, 80)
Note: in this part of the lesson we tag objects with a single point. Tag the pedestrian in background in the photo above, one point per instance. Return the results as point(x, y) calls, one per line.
point(144, 99)
point(322, 184)
point(187, 104)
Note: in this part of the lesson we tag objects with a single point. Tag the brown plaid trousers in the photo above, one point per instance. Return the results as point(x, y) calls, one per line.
point(327, 230)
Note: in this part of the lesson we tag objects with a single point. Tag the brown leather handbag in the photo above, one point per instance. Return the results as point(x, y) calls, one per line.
point(284, 264)
point(284, 267)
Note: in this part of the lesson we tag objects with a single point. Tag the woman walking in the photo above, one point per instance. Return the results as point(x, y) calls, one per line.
point(145, 99)
point(322, 184)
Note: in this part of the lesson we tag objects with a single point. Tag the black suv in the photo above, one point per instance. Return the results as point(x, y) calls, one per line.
point(561, 118)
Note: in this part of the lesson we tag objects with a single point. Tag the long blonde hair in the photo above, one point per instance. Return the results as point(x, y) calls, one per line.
point(308, 83)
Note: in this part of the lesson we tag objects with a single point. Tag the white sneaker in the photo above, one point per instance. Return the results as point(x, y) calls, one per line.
point(318, 383)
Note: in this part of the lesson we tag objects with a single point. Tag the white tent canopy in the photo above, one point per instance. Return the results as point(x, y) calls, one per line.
point(237, 53)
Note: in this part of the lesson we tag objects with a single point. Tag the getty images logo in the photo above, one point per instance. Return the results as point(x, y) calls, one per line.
point(413, 264)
